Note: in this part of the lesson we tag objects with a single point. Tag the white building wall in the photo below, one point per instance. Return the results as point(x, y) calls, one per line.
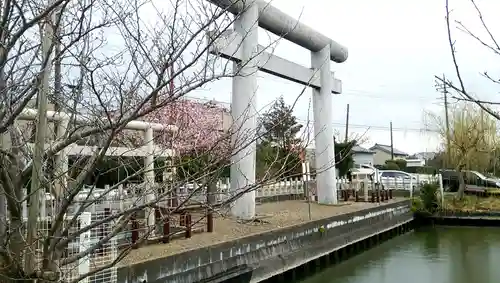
point(362, 158)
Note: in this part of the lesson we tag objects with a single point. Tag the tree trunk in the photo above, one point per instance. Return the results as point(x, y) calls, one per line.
point(461, 183)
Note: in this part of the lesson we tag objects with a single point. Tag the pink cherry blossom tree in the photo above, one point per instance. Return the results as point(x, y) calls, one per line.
point(104, 66)
point(201, 125)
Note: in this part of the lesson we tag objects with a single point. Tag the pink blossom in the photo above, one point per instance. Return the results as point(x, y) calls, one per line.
point(200, 127)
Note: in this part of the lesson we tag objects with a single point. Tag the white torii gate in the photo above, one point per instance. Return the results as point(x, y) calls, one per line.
point(242, 47)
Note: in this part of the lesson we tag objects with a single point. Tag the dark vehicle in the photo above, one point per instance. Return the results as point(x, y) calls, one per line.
point(472, 179)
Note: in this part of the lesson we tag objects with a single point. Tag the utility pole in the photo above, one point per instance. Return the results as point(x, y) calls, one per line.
point(39, 148)
point(392, 144)
point(347, 124)
point(442, 88)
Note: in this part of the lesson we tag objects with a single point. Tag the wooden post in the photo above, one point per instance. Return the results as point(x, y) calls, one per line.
point(210, 222)
point(188, 225)
point(365, 189)
point(135, 231)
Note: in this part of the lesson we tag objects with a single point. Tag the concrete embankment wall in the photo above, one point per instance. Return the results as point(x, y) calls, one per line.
point(262, 256)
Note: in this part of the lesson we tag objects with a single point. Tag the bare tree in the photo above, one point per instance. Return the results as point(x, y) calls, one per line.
point(458, 85)
point(472, 137)
point(95, 68)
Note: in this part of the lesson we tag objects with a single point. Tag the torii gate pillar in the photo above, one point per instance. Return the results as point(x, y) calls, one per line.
point(243, 112)
point(326, 179)
point(242, 47)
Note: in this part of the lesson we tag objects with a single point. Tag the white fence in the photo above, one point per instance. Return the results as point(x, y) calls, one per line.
point(196, 194)
point(127, 196)
point(295, 186)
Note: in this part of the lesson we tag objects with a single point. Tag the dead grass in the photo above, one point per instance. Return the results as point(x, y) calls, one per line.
point(278, 215)
point(472, 204)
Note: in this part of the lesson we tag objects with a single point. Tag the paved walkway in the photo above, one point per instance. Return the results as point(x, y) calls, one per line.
point(277, 215)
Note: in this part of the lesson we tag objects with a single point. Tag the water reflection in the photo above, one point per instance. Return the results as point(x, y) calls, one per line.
point(430, 243)
point(437, 255)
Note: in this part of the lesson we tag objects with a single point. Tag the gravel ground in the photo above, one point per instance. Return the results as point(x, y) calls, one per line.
point(276, 215)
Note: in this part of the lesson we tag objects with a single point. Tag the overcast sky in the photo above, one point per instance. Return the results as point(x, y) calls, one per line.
point(395, 49)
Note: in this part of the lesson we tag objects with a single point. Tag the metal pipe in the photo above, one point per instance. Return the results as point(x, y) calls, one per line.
point(281, 24)
point(149, 176)
point(30, 114)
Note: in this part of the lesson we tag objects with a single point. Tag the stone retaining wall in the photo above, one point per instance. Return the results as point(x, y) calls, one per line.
point(269, 254)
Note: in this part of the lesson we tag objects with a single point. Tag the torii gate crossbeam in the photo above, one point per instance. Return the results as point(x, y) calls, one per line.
point(242, 47)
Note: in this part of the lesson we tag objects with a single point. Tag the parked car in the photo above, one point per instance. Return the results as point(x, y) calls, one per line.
point(394, 179)
point(472, 179)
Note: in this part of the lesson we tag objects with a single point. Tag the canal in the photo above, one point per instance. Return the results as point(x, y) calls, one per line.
point(437, 255)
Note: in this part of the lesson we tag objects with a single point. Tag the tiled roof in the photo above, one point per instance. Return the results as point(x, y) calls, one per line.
point(360, 149)
point(355, 149)
point(387, 148)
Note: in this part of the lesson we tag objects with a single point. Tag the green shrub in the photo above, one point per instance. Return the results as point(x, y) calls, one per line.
point(429, 198)
point(390, 165)
point(416, 205)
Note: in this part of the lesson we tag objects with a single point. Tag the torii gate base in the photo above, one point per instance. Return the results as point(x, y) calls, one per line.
point(245, 52)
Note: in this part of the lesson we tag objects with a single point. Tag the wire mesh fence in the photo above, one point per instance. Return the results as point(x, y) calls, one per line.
point(80, 251)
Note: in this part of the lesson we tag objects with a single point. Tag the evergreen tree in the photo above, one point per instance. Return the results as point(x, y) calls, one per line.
point(343, 156)
point(280, 125)
point(278, 152)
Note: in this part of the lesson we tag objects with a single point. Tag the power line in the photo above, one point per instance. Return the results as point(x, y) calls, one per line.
point(374, 95)
point(336, 124)
point(366, 93)
point(373, 127)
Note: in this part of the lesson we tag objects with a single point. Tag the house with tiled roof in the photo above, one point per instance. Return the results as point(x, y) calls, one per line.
point(360, 155)
point(383, 153)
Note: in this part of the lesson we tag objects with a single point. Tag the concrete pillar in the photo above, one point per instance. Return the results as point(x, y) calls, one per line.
point(411, 186)
point(243, 112)
point(323, 129)
point(149, 176)
point(365, 189)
